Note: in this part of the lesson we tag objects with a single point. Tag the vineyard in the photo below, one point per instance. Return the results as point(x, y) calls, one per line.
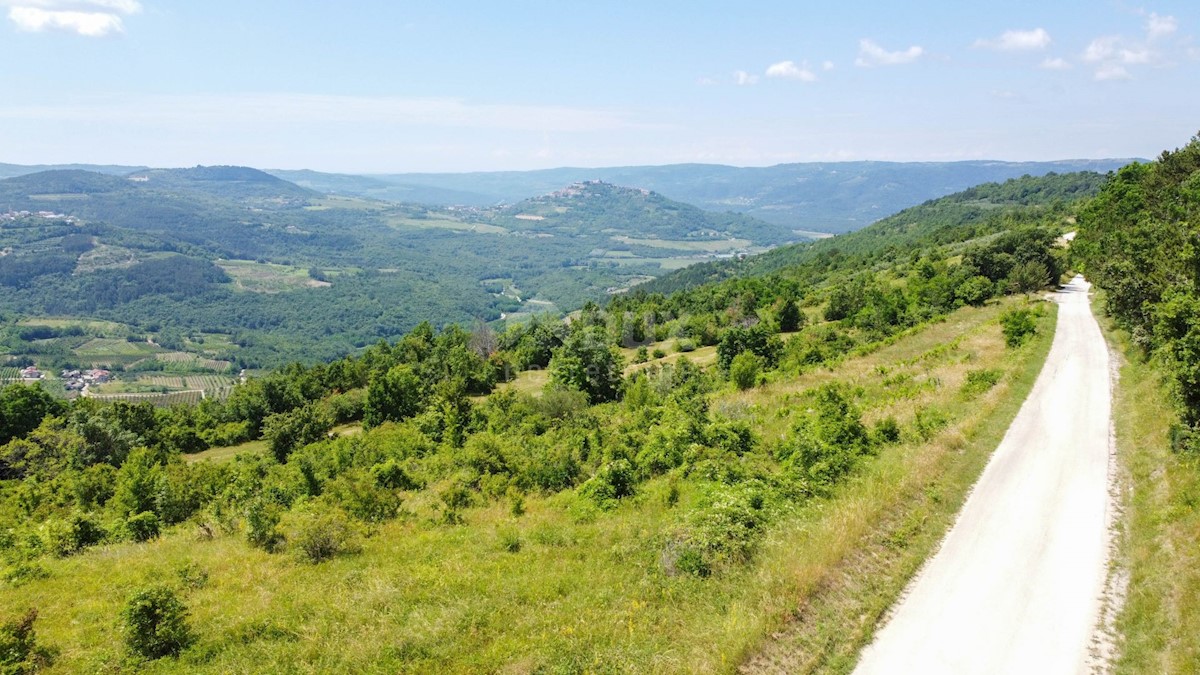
point(161, 400)
point(191, 361)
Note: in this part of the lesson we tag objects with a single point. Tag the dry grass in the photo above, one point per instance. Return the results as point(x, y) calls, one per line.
point(840, 572)
point(1159, 538)
point(583, 593)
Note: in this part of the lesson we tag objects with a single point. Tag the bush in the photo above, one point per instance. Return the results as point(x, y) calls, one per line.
point(743, 371)
point(1018, 325)
point(722, 534)
point(642, 355)
point(320, 535)
point(262, 526)
point(613, 481)
point(886, 431)
point(155, 623)
point(142, 526)
point(979, 381)
point(19, 651)
point(70, 536)
point(658, 353)
point(685, 345)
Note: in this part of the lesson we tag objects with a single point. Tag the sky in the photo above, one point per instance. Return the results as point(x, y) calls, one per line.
point(399, 86)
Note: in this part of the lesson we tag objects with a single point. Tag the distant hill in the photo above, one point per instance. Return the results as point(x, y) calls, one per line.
point(823, 197)
point(597, 207)
point(227, 181)
point(975, 212)
point(10, 170)
point(61, 182)
point(375, 188)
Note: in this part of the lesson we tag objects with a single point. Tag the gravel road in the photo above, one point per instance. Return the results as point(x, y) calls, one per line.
point(1016, 586)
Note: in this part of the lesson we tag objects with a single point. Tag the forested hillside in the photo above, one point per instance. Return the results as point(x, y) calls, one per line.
point(284, 274)
point(978, 212)
point(474, 518)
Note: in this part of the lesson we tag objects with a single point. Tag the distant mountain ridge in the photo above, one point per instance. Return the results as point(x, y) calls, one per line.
point(833, 197)
point(830, 197)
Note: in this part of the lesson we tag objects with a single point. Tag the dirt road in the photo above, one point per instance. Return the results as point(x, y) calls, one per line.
point(1016, 586)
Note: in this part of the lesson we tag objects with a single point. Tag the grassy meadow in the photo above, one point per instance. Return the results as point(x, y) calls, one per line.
point(1158, 561)
point(560, 585)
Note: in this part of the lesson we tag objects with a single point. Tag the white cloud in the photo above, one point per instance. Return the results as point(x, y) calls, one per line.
point(871, 54)
point(828, 65)
point(1017, 40)
point(91, 18)
point(791, 71)
point(1160, 26)
point(1111, 71)
point(742, 78)
point(1055, 63)
point(1101, 48)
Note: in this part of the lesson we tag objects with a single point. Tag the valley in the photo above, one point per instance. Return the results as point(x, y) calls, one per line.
point(746, 459)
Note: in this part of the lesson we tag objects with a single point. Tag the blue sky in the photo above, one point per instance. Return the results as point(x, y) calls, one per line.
point(458, 86)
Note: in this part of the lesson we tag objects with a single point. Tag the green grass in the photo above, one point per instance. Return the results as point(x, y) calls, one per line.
point(104, 327)
point(586, 591)
point(259, 277)
point(446, 224)
point(1159, 539)
point(849, 562)
point(227, 453)
point(707, 245)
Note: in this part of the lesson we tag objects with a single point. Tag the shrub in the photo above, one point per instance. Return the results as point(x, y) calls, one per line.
point(390, 474)
point(516, 501)
point(928, 422)
point(192, 575)
point(613, 481)
point(886, 431)
point(1018, 325)
point(19, 651)
point(262, 526)
point(142, 526)
point(155, 623)
point(744, 370)
point(357, 492)
point(642, 355)
point(319, 535)
point(658, 353)
point(685, 345)
point(70, 536)
point(22, 573)
point(722, 534)
point(979, 381)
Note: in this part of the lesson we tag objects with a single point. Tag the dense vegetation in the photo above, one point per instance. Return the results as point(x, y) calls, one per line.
point(442, 432)
point(1138, 241)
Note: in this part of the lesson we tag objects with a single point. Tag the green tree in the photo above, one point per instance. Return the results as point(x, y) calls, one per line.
point(289, 431)
point(790, 317)
point(586, 363)
point(22, 409)
point(392, 396)
point(744, 370)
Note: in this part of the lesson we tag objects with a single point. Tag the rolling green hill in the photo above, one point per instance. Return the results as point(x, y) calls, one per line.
point(660, 483)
